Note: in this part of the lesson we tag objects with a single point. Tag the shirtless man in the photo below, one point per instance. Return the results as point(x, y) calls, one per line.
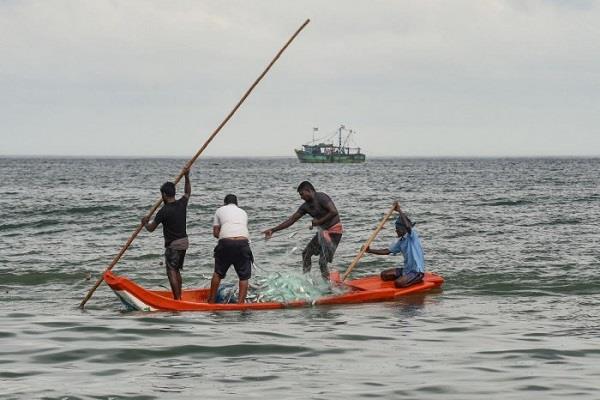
point(327, 220)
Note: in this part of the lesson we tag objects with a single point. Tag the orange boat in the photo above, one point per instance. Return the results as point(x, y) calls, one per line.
point(362, 290)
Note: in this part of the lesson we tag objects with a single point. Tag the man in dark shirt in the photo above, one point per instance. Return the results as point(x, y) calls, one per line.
point(325, 217)
point(172, 216)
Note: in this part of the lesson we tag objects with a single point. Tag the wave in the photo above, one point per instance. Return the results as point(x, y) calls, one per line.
point(505, 202)
point(40, 278)
point(133, 354)
point(34, 224)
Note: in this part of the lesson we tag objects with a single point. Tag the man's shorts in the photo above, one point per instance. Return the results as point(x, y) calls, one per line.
point(411, 277)
point(236, 252)
point(174, 258)
point(321, 245)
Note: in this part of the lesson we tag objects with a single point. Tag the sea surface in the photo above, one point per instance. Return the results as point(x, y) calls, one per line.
point(517, 241)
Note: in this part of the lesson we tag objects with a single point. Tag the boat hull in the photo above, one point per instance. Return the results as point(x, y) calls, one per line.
point(305, 157)
point(362, 290)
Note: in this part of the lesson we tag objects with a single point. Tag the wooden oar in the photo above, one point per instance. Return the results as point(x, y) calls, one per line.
point(368, 243)
point(191, 162)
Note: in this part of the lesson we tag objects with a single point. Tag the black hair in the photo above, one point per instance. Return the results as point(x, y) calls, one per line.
point(305, 185)
point(230, 199)
point(168, 188)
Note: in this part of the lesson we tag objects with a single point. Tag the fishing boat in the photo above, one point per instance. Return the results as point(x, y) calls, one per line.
point(362, 290)
point(329, 152)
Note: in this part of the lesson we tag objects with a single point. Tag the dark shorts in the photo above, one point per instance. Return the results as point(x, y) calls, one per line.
point(234, 252)
point(174, 258)
point(410, 278)
point(320, 246)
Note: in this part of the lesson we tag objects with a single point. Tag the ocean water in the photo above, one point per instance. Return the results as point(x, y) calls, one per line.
point(517, 241)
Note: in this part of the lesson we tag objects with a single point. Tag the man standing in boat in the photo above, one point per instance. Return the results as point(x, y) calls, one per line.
point(172, 216)
point(230, 226)
point(409, 244)
point(327, 220)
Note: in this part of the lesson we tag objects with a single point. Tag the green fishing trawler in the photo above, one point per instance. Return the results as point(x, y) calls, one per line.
point(328, 152)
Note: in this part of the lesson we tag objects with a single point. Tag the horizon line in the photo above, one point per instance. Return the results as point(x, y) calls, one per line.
point(98, 156)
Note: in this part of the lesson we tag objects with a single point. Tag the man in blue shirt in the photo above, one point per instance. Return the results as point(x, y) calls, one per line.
point(409, 244)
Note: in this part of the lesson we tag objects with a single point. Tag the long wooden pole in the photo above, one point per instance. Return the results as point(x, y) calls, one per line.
point(368, 243)
point(191, 162)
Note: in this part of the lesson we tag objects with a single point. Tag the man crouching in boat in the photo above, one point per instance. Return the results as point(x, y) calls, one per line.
point(409, 244)
point(172, 216)
point(325, 217)
point(230, 226)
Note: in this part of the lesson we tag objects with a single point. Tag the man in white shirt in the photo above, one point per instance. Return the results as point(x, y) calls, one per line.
point(230, 226)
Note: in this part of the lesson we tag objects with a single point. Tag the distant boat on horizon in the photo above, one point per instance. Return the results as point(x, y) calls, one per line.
point(328, 152)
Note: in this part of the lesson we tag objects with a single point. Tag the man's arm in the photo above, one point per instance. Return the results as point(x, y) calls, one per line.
point(149, 225)
point(188, 186)
point(403, 217)
point(379, 252)
point(285, 224)
point(216, 225)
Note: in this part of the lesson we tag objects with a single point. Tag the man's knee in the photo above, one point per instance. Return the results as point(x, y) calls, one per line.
point(388, 274)
point(323, 260)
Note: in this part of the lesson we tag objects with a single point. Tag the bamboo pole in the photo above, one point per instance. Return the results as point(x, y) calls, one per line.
point(191, 162)
point(368, 242)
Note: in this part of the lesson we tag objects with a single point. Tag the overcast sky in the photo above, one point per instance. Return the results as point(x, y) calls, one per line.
point(413, 78)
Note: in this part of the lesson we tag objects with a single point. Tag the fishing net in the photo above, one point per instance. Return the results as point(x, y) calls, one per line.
point(281, 288)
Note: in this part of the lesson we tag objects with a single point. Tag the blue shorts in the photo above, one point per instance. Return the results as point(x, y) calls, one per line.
point(411, 277)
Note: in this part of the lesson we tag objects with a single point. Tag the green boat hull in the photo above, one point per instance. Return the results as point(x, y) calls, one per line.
point(305, 157)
